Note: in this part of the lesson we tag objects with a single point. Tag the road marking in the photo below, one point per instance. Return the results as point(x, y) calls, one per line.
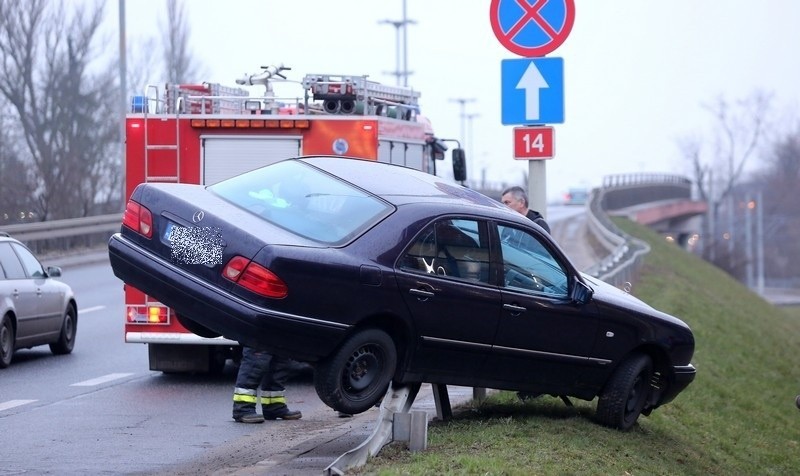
point(14, 403)
point(91, 309)
point(100, 380)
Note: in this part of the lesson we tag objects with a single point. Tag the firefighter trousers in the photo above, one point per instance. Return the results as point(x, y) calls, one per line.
point(264, 371)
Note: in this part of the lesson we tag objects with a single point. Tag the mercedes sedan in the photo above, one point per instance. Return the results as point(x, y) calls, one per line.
point(377, 273)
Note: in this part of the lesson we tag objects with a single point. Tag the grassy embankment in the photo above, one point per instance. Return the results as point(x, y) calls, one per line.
point(737, 418)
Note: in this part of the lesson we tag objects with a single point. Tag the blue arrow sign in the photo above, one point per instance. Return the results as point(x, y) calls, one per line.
point(532, 91)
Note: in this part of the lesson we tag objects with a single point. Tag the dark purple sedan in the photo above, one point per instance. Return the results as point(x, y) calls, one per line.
point(377, 273)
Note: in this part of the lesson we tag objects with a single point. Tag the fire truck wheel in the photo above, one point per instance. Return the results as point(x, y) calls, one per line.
point(196, 328)
point(355, 377)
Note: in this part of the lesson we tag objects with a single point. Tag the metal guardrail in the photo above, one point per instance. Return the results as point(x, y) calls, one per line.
point(61, 236)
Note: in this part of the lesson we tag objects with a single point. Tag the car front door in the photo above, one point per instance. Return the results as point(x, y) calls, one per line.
point(47, 312)
point(19, 290)
point(444, 279)
point(543, 338)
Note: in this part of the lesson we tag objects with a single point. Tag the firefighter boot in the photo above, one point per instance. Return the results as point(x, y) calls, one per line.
point(275, 411)
point(246, 413)
point(244, 406)
point(249, 418)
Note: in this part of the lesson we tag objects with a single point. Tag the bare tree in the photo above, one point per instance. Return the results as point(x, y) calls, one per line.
point(64, 110)
point(16, 186)
point(739, 130)
point(179, 64)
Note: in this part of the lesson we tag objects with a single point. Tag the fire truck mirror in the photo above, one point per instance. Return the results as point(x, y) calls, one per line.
point(459, 165)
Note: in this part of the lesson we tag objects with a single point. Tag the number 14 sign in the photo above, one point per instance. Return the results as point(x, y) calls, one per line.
point(533, 143)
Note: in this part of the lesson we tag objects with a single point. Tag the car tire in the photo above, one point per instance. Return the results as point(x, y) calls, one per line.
point(6, 341)
point(66, 339)
point(356, 376)
point(626, 393)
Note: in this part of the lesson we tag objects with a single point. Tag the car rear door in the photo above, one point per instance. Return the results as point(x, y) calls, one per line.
point(47, 301)
point(444, 279)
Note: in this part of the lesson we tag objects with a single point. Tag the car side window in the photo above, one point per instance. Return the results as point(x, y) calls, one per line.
point(528, 265)
point(453, 248)
point(10, 263)
point(32, 266)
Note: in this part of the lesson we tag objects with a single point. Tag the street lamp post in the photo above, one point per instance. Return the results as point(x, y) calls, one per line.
point(401, 42)
point(471, 147)
point(463, 114)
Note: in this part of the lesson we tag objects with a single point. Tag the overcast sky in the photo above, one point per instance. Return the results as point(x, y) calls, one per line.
point(636, 72)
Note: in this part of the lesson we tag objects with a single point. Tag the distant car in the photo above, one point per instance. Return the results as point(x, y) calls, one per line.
point(376, 273)
point(576, 196)
point(35, 309)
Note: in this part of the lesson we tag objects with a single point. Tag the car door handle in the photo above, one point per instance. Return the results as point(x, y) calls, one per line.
point(38, 291)
point(514, 308)
point(16, 293)
point(421, 293)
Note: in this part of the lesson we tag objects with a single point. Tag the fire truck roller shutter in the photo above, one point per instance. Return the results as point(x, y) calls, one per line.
point(225, 157)
point(401, 153)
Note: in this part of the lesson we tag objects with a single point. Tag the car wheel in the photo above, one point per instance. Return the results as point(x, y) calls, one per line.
point(355, 377)
point(626, 393)
point(66, 340)
point(6, 341)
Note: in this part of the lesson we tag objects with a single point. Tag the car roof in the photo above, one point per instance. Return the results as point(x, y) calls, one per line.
point(402, 185)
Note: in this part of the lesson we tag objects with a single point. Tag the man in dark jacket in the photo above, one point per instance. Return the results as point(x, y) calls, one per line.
point(516, 199)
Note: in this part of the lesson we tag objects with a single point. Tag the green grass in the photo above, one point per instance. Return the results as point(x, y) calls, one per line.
point(737, 418)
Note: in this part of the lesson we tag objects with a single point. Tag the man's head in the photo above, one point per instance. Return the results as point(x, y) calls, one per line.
point(515, 198)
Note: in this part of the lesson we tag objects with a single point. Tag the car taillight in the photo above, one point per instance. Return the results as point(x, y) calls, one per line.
point(138, 219)
point(254, 277)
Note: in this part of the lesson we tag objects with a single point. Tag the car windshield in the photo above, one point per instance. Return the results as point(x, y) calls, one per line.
point(305, 201)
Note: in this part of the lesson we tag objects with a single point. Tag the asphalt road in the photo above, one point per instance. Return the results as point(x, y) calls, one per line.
point(101, 410)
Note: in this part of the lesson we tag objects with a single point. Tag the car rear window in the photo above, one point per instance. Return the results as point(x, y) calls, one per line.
point(305, 201)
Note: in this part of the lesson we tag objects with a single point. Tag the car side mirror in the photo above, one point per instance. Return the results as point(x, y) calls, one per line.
point(581, 293)
point(459, 165)
point(53, 272)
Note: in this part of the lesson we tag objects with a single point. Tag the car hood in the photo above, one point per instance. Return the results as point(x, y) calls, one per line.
point(611, 295)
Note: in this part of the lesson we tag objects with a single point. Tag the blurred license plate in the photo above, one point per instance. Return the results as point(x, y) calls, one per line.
point(194, 245)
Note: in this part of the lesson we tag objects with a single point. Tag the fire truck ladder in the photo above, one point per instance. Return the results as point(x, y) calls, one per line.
point(341, 94)
point(159, 105)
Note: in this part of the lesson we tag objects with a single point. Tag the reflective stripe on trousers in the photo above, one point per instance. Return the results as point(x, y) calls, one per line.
point(247, 395)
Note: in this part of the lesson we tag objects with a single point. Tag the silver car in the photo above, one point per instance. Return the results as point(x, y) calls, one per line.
point(35, 309)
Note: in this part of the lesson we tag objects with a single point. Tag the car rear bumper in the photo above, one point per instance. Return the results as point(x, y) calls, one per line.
point(299, 337)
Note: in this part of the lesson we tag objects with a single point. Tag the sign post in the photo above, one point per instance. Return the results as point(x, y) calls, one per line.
point(533, 88)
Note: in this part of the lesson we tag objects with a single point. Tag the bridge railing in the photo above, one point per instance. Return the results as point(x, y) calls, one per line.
point(623, 262)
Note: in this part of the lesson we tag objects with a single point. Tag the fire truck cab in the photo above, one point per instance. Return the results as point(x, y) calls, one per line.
point(204, 133)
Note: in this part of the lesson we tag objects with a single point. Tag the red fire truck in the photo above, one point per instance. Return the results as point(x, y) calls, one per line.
point(205, 133)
